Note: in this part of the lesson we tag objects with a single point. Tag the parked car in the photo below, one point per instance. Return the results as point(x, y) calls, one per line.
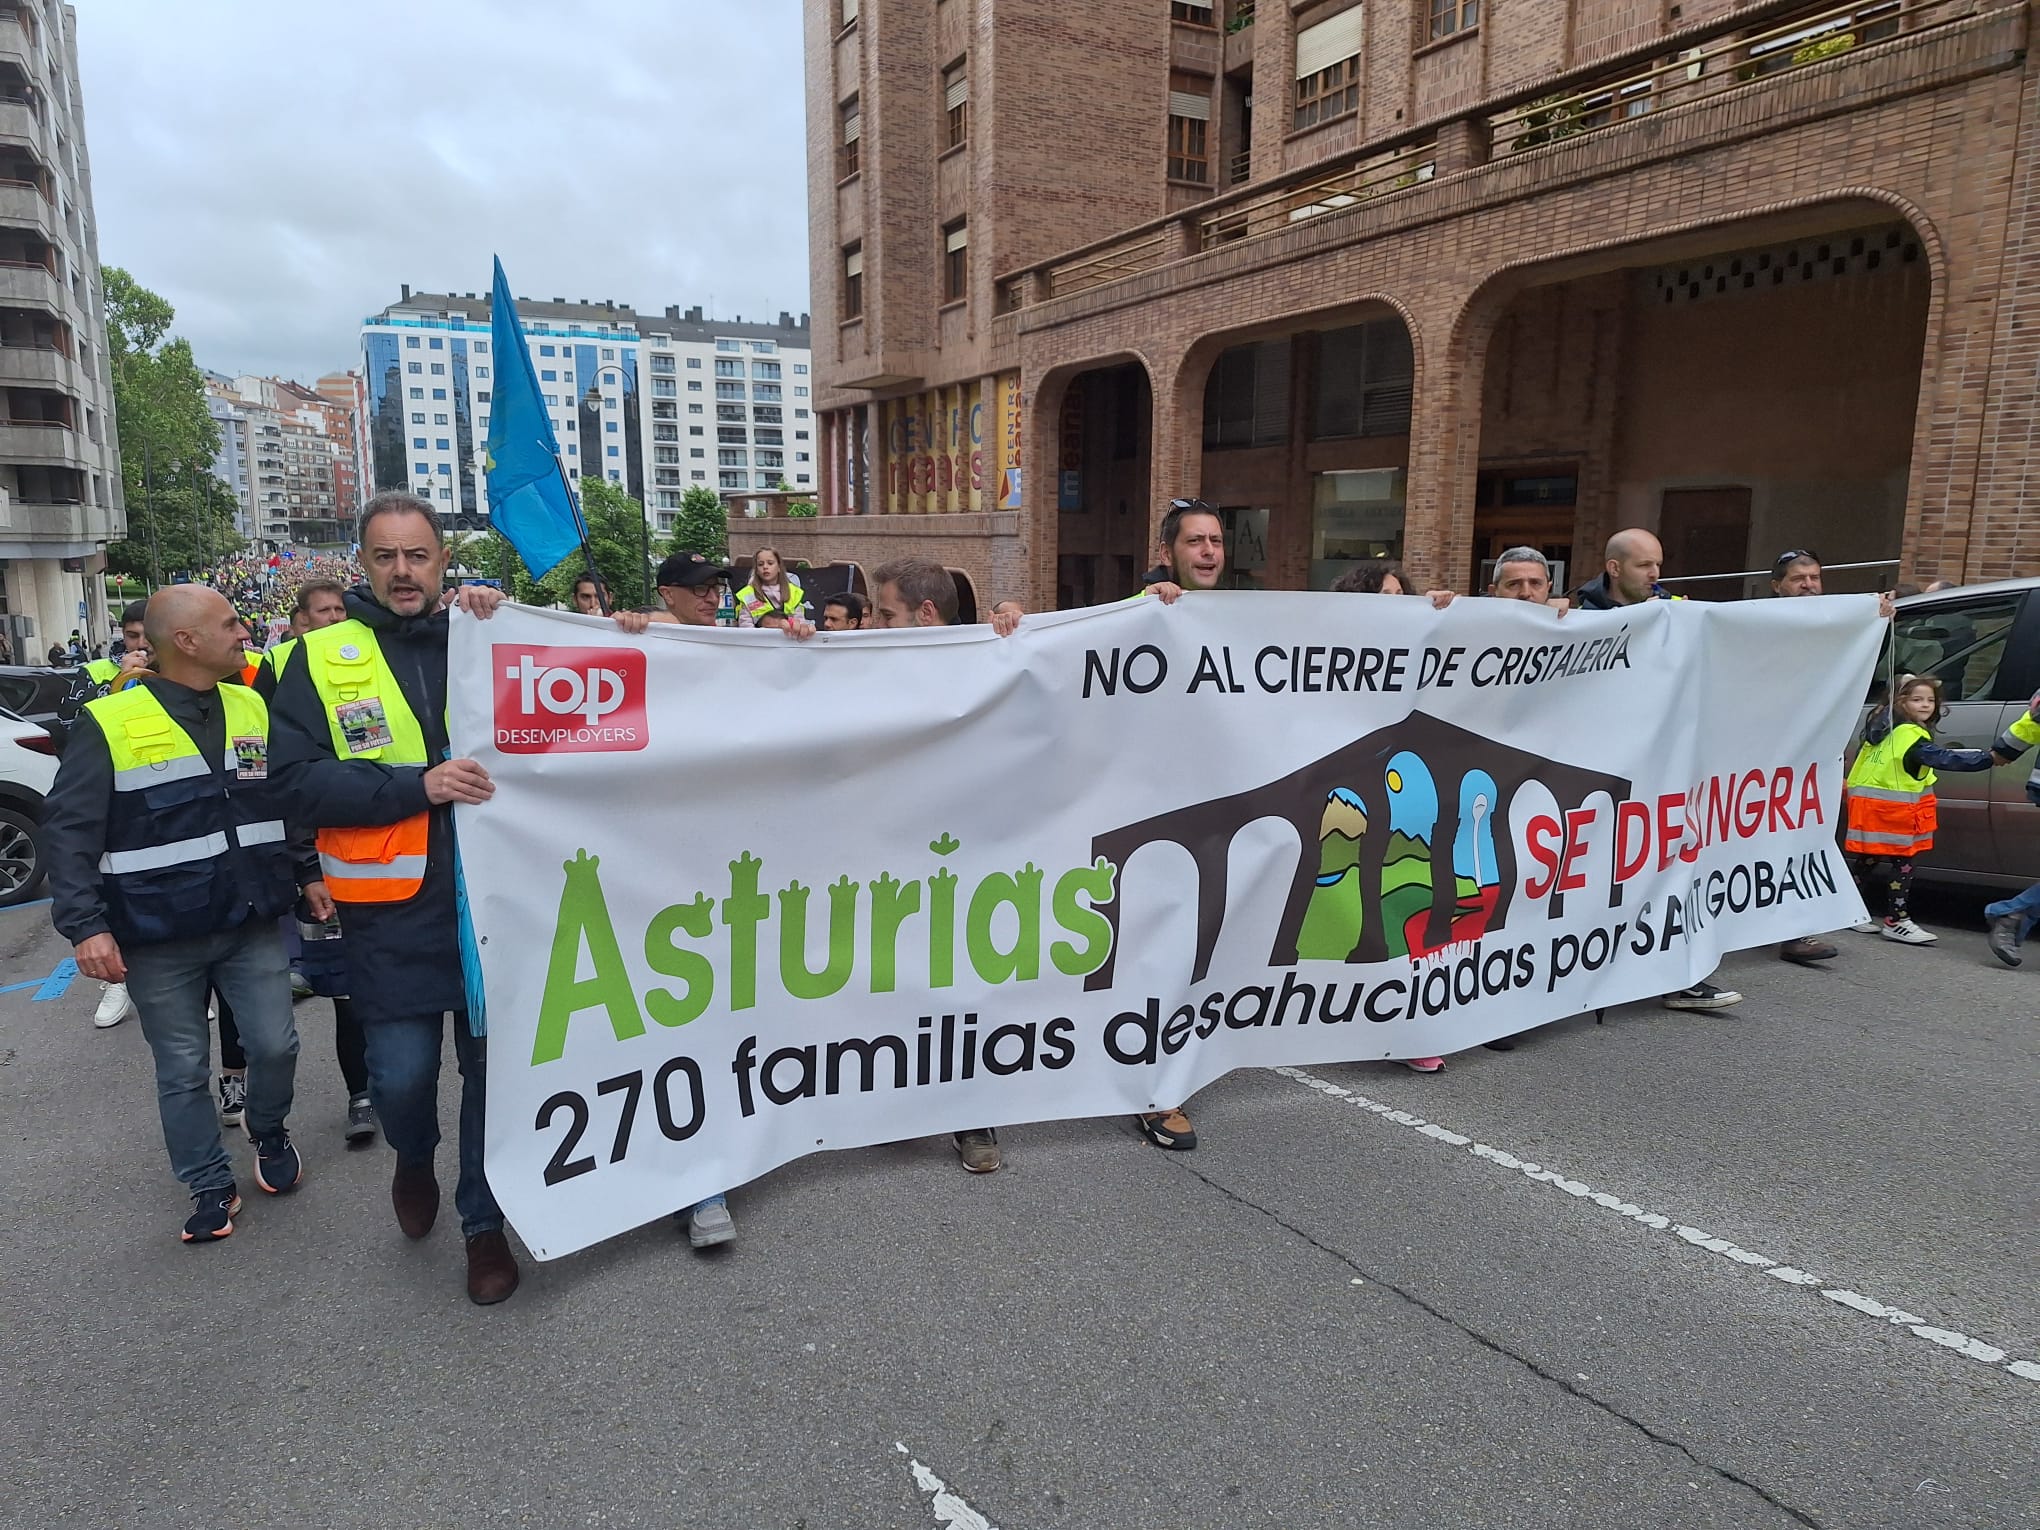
point(1983, 643)
point(28, 768)
point(50, 697)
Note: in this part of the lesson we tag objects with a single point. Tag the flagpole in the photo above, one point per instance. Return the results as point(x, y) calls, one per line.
point(581, 526)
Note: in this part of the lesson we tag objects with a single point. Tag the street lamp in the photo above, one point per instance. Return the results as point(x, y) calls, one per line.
point(593, 400)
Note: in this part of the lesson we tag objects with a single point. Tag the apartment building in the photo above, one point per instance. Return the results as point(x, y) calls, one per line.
point(1423, 279)
point(656, 404)
point(291, 454)
point(60, 488)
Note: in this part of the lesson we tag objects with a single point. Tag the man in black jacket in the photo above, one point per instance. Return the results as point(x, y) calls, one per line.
point(403, 939)
point(169, 867)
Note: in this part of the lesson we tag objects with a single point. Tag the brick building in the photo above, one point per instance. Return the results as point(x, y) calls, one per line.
point(1423, 278)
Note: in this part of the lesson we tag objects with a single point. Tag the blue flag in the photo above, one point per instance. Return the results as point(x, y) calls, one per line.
point(528, 498)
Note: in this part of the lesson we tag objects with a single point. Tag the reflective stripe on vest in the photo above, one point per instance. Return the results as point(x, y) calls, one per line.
point(384, 863)
point(754, 605)
point(268, 832)
point(1891, 813)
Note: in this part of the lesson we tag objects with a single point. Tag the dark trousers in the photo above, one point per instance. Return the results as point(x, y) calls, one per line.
point(348, 1044)
point(1885, 877)
point(403, 1085)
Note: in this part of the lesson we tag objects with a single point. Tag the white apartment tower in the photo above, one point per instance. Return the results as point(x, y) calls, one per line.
point(656, 405)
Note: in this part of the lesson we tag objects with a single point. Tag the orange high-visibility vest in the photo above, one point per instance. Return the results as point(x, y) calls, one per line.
point(1890, 813)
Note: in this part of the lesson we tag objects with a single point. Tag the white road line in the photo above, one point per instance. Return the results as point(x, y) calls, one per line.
point(951, 1512)
point(1947, 1338)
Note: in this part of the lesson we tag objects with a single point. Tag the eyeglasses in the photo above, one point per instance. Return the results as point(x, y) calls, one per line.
point(1191, 504)
point(1797, 555)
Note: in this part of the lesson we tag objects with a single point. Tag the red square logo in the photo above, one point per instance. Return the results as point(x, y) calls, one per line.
point(569, 700)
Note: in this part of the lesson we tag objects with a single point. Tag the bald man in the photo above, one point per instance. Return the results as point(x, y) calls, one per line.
point(1631, 565)
point(169, 868)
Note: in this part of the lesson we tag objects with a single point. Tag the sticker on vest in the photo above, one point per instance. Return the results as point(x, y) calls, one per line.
point(251, 758)
point(349, 651)
point(363, 724)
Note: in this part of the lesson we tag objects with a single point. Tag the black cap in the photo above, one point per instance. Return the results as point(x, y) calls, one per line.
point(684, 571)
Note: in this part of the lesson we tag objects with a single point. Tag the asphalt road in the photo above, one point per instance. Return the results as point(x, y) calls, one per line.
point(1326, 1316)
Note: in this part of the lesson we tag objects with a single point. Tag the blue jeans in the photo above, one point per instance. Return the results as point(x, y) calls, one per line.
point(403, 1085)
point(169, 984)
point(2026, 905)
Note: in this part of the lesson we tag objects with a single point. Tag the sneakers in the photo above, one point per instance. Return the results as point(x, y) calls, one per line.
point(212, 1216)
point(277, 1165)
point(233, 1098)
point(1907, 933)
point(360, 1121)
point(2006, 931)
point(1806, 949)
point(1423, 1064)
point(414, 1193)
point(1169, 1129)
point(979, 1150)
point(708, 1223)
point(300, 987)
point(1702, 996)
point(114, 1006)
point(1867, 927)
point(492, 1268)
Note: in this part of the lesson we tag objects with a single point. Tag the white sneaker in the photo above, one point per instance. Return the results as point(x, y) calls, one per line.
point(1868, 927)
point(114, 1006)
point(1906, 931)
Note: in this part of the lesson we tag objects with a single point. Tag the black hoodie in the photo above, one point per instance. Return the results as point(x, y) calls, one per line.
point(404, 958)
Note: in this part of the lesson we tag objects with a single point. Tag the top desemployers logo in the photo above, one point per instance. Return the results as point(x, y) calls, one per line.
point(553, 700)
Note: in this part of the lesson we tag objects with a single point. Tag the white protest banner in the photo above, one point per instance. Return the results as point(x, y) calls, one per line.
point(742, 898)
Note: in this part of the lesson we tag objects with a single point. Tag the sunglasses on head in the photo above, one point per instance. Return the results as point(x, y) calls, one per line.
point(1797, 555)
point(1190, 504)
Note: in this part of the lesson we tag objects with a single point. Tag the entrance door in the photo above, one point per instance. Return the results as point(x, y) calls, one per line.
point(1705, 531)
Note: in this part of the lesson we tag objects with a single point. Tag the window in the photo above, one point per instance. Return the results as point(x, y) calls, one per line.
point(1450, 16)
point(800, 456)
point(410, 342)
point(1328, 68)
point(697, 451)
point(730, 390)
point(733, 347)
point(481, 347)
point(765, 347)
point(446, 470)
point(1364, 376)
point(730, 480)
point(1960, 644)
point(439, 419)
point(1246, 398)
point(851, 120)
point(417, 419)
point(799, 392)
point(1196, 12)
point(729, 369)
point(442, 444)
point(1189, 130)
point(417, 367)
point(696, 430)
point(729, 456)
point(550, 376)
point(545, 350)
point(800, 369)
point(768, 391)
point(615, 451)
point(800, 414)
point(482, 397)
point(853, 282)
point(693, 385)
point(609, 353)
point(439, 393)
point(955, 264)
point(436, 344)
point(771, 459)
point(417, 393)
point(610, 426)
point(956, 102)
point(731, 435)
point(769, 370)
point(694, 363)
point(417, 443)
point(552, 401)
point(694, 408)
point(698, 475)
point(609, 402)
point(481, 371)
point(438, 369)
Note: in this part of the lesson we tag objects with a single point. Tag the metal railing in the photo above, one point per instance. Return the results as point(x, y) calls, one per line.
point(1733, 58)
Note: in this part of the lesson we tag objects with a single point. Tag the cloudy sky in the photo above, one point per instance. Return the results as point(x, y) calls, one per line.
point(277, 170)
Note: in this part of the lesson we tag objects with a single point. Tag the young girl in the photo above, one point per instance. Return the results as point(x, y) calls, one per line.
point(1891, 800)
point(772, 590)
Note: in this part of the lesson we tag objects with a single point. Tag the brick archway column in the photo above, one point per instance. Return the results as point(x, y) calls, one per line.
point(1040, 446)
point(1450, 338)
point(1176, 435)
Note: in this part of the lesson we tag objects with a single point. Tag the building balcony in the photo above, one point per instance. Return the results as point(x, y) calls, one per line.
point(19, 125)
point(44, 441)
point(17, 46)
point(23, 206)
point(34, 366)
point(29, 284)
point(66, 524)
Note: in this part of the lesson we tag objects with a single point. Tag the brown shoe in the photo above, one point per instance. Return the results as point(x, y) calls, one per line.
point(492, 1268)
point(1806, 949)
point(414, 1192)
point(979, 1149)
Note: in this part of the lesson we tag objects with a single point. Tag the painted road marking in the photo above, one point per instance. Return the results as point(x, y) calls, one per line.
point(1897, 1317)
point(51, 987)
point(951, 1512)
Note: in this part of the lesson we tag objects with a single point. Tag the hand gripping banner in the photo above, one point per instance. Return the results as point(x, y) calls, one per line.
point(739, 898)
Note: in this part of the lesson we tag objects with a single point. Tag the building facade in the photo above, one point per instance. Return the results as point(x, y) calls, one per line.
point(655, 404)
point(1423, 279)
point(291, 454)
point(60, 488)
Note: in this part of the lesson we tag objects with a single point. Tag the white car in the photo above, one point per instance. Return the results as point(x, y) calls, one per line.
point(28, 768)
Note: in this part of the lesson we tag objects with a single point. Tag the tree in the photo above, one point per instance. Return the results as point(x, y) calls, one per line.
point(702, 526)
point(179, 516)
point(616, 532)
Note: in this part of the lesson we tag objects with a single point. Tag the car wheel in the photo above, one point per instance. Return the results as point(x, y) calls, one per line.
point(21, 862)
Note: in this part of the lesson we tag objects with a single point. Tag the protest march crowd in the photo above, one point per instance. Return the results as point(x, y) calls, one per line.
point(235, 824)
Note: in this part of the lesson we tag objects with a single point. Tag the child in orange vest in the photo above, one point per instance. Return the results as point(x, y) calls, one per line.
point(1892, 813)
